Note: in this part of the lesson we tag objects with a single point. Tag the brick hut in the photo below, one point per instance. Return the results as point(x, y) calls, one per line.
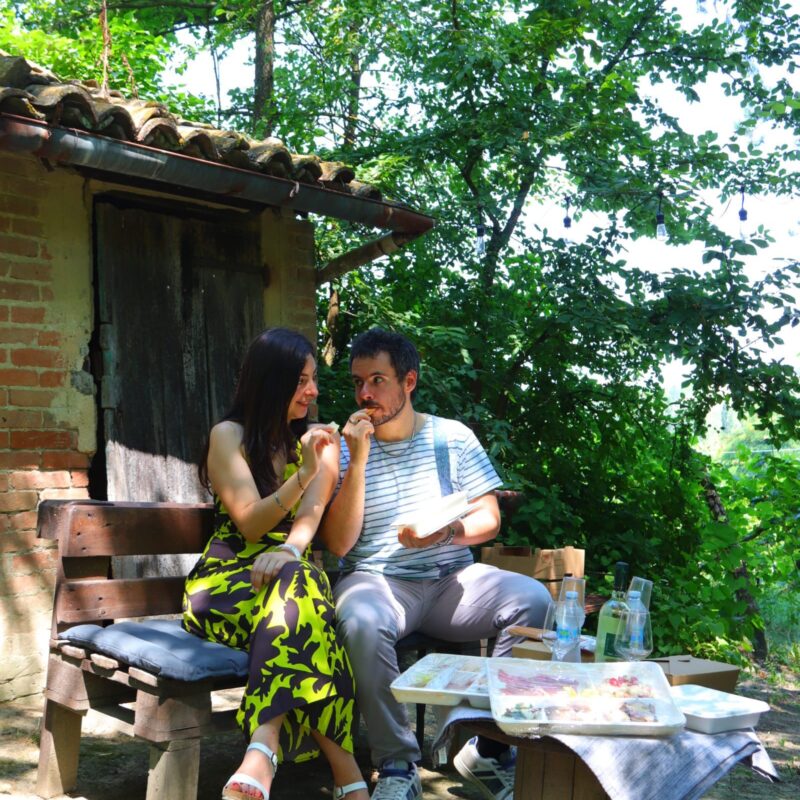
point(139, 253)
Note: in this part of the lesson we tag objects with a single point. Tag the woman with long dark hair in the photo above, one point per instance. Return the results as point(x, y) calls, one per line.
point(254, 587)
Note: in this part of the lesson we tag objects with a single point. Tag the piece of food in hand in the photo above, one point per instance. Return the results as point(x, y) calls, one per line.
point(333, 426)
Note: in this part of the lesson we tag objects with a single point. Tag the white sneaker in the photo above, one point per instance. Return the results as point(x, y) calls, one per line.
point(398, 780)
point(494, 778)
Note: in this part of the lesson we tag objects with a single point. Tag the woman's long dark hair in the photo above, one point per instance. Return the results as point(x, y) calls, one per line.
point(267, 382)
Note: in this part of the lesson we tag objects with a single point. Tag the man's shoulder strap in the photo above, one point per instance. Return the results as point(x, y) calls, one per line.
point(442, 452)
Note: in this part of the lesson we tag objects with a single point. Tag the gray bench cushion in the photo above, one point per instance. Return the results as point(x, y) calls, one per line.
point(162, 647)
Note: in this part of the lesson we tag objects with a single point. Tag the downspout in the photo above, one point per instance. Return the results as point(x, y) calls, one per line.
point(364, 254)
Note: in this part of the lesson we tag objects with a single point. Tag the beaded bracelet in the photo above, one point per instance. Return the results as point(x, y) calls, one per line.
point(290, 548)
point(299, 482)
point(281, 505)
point(451, 534)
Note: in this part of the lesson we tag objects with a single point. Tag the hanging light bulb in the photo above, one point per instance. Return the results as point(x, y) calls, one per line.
point(480, 239)
point(567, 217)
point(661, 228)
point(743, 235)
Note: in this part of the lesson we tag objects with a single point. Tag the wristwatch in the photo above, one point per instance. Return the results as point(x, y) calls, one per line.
point(451, 534)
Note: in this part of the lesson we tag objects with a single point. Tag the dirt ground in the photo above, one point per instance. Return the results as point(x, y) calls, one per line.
point(114, 767)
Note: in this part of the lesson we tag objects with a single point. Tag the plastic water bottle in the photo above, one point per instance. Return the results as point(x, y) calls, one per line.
point(637, 621)
point(569, 621)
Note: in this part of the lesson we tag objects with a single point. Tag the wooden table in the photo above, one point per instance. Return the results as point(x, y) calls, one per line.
point(546, 769)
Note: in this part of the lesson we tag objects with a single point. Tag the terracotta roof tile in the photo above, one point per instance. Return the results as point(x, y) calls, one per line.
point(114, 120)
point(272, 157)
point(364, 190)
point(29, 90)
point(18, 101)
point(334, 172)
point(64, 104)
point(198, 143)
point(307, 169)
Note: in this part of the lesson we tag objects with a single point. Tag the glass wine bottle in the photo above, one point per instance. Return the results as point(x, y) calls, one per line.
point(611, 616)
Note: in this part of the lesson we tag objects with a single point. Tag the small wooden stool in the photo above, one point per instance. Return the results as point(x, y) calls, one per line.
point(546, 769)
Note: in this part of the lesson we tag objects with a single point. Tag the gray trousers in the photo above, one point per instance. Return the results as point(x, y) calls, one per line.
point(374, 611)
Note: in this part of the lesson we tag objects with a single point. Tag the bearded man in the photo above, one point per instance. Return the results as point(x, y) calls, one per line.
point(395, 460)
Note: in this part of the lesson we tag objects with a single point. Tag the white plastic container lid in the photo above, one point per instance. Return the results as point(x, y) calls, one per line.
point(711, 711)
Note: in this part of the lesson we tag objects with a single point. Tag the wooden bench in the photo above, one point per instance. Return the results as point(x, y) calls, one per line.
point(171, 713)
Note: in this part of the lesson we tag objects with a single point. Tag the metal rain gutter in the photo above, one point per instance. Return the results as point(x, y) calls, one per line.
point(176, 173)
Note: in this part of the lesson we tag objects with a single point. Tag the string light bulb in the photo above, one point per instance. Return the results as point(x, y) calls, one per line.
point(742, 218)
point(661, 228)
point(480, 234)
point(480, 239)
point(567, 217)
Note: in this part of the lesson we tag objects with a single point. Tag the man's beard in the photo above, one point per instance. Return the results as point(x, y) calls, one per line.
point(390, 416)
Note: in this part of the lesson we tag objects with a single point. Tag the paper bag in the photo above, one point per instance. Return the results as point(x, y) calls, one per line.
point(547, 566)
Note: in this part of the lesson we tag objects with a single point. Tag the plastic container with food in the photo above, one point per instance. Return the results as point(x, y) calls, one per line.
point(540, 697)
point(444, 679)
point(711, 711)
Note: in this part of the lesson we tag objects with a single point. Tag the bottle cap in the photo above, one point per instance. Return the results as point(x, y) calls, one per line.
point(633, 594)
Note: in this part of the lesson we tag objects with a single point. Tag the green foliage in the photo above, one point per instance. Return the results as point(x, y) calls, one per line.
point(781, 610)
point(66, 37)
point(550, 350)
point(761, 531)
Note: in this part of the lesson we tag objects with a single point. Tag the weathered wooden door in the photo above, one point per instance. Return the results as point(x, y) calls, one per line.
point(180, 294)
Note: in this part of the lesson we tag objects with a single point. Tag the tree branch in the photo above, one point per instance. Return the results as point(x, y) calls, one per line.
point(630, 39)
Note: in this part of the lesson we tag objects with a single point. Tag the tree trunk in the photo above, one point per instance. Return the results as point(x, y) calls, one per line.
point(263, 100)
point(760, 644)
point(353, 91)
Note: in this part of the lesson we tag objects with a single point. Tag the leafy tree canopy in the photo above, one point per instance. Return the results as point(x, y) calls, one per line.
point(478, 110)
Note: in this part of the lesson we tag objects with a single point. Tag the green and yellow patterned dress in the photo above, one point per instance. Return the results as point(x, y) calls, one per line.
point(297, 666)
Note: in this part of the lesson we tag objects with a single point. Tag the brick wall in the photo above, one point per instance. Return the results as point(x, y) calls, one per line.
point(39, 455)
point(47, 406)
point(288, 247)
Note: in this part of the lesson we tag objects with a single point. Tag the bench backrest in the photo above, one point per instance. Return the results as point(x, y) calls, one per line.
point(90, 532)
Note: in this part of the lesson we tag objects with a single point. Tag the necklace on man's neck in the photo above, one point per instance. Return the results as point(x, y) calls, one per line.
point(406, 448)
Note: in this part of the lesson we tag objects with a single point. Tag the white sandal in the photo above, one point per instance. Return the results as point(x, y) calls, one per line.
point(247, 780)
point(340, 791)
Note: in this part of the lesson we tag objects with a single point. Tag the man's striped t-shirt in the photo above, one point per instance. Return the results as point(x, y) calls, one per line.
point(401, 477)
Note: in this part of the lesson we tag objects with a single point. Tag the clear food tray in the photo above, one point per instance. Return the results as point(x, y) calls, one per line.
point(539, 697)
point(443, 679)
